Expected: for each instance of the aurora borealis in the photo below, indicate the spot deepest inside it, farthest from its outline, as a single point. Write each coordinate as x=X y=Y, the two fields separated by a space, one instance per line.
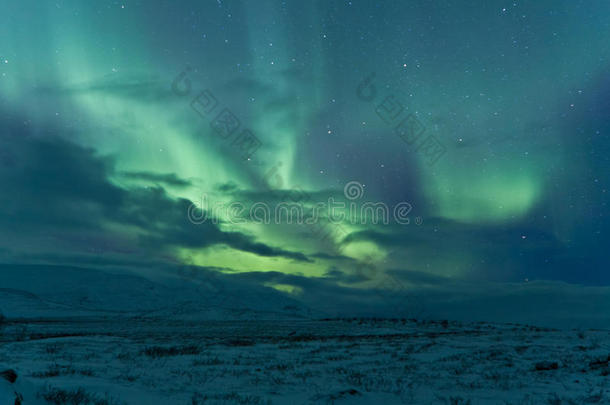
x=100 y=159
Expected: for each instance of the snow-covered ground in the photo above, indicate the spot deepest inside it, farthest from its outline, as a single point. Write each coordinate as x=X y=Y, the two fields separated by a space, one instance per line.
x=304 y=362
x=109 y=338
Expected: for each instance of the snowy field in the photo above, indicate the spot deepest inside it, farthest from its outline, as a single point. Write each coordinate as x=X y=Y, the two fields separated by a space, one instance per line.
x=99 y=337
x=126 y=360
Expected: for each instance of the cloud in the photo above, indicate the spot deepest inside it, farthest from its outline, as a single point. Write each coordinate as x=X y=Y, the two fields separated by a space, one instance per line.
x=169 y=179
x=58 y=198
x=419 y=277
x=510 y=252
x=135 y=86
x=545 y=303
x=339 y=276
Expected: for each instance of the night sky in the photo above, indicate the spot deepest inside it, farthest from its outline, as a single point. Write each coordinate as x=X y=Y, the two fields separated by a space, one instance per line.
x=103 y=151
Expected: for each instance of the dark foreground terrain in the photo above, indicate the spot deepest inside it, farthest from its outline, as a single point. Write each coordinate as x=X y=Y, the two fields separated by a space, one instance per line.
x=155 y=361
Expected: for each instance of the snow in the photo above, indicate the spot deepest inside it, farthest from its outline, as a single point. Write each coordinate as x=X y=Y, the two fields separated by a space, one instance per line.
x=164 y=339
x=345 y=361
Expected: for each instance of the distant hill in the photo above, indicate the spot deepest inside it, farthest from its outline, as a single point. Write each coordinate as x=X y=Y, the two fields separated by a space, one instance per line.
x=45 y=291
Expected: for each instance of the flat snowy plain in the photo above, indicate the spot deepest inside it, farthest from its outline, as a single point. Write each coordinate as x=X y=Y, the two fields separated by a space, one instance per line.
x=70 y=344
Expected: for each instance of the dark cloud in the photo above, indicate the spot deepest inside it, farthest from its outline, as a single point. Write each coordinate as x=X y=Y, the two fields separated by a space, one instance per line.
x=57 y=198
x=169 y=179
x=339 y=276
x=328 y=256
x=226 y=187
x=274 y=194
x=511 y=252
x=134 y=86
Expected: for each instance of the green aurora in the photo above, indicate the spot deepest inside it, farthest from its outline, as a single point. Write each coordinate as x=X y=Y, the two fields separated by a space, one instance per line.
x=101 y=158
